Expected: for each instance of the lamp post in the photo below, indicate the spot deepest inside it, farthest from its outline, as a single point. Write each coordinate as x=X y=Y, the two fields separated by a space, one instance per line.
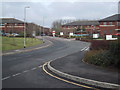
x=92 y=28
x=25 y=25
x=43 y=30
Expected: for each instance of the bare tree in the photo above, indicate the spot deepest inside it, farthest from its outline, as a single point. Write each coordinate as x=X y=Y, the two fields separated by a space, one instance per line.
x=56 y=25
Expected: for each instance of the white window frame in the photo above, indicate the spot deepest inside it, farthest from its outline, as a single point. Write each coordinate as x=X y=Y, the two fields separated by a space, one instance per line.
x=104 y=23
x=110 y=23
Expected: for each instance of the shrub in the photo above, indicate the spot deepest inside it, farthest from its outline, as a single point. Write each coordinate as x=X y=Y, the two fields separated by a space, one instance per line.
x=99 y=44
x=100 y=58
x=104 y=55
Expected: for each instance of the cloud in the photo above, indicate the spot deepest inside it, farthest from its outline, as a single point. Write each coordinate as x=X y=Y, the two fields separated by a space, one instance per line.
x=59 y=10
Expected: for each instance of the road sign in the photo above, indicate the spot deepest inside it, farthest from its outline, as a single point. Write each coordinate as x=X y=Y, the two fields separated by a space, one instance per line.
x=61 y=33
x=53 y=33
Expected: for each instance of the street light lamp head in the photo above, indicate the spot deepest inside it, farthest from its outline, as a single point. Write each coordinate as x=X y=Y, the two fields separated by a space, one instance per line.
x=27 y=7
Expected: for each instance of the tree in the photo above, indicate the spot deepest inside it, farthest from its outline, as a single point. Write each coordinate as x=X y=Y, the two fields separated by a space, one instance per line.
x=56 y=25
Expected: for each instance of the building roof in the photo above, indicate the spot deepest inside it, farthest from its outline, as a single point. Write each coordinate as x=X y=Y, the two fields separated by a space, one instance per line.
x=115 y=17
x=77 y=23
x=10 y=20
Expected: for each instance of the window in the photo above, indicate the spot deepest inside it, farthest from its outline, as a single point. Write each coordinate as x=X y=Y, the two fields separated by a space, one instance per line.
x=118 y=31
x=110 y=31
x=104 y=23
x=118 y=23
x=68 y=27
x=15 y=24
x=88 y=26
x=2 y=24
x=20 y=24
x=105 y=31
x=110 y=23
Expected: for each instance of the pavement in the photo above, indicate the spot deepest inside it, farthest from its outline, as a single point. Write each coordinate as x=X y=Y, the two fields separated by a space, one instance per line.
x=74 y=65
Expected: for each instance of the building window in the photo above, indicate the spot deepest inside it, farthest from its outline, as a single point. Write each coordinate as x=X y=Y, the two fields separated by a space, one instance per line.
x=2 y=24
x=16 y=24
x=118 y=23
x=88 y=26
x=20 y=24
x=105 y=23
x=118 y=31
x=110 y=23
x=105 y=31
x=68 y=27
x=110 y=31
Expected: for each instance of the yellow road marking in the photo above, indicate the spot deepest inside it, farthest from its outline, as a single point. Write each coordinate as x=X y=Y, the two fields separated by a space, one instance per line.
x=43 y=67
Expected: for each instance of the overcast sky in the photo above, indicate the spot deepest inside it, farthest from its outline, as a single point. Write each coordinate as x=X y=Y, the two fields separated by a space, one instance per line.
x=58 y=10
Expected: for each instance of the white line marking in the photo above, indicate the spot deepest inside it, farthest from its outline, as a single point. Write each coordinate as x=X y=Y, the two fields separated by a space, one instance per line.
x=21 y=73
x=5 y=78
x=87 y=49
x=33 y=68
x=40 y=66
x=26 y=71
x=16 y=74
x=83 y=48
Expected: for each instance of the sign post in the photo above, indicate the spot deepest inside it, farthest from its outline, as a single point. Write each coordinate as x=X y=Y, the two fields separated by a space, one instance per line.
x=53 y=33
x=61 y=33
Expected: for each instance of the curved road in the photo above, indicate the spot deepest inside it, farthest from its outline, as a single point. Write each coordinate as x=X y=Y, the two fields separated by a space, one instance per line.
x=24 y=70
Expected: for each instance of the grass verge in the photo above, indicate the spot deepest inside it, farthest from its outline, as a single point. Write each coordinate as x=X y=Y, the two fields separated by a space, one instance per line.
x=12 y=43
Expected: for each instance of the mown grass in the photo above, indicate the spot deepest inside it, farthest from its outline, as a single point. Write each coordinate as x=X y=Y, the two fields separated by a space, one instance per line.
x=12 y=43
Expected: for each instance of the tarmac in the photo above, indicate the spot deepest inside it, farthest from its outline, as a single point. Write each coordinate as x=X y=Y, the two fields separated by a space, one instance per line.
x=74 y=65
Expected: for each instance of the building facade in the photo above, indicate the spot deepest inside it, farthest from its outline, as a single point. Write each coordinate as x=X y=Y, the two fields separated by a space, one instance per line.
x=110 y=25
x=103 y=27
x=81 y=27
x=12 y=25
x=9 y=25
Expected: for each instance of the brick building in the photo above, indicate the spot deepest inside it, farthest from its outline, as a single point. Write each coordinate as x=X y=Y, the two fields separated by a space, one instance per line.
x=9 y=25
x=110 y=25
x=12 y=25
x=81 y=27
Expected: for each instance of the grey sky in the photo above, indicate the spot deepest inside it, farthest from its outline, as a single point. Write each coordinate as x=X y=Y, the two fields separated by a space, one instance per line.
x=58 y=10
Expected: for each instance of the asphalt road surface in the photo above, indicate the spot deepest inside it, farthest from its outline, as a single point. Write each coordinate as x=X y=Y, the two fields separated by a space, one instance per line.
x=24 y=70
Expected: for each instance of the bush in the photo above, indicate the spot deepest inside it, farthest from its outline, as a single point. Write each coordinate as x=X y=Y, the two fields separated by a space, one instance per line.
x=100 y=58
x=99 y=44
x=104 y=53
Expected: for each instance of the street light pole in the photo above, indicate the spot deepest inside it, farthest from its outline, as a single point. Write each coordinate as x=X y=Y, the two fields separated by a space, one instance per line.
x=25 y=26
x=43 y=29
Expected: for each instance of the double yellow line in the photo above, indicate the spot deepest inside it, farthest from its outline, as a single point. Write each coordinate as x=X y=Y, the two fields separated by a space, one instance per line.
x=43 y=67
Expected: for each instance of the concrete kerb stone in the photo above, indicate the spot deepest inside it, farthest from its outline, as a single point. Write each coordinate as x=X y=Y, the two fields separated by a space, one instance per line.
x=83 y=80
x=20 y=51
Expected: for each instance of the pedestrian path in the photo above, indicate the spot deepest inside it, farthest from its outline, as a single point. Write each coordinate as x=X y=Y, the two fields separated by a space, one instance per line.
x=74 y=65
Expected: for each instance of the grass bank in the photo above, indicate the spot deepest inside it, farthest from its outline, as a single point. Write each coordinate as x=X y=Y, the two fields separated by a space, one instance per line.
x=12 y=43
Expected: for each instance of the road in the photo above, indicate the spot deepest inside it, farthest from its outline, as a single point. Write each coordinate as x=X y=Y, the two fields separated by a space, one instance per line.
x=24 y=70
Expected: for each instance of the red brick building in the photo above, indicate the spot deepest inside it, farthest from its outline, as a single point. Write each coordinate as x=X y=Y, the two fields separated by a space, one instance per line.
x=81 y=27
x=110 y=25
x=10 y=25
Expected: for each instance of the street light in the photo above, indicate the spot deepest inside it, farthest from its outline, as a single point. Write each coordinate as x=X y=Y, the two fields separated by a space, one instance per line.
x=43 y=30
x=25 y=25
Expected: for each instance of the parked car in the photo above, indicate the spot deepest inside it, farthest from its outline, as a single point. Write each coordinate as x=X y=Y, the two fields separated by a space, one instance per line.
x=3 y=34
x=43 y=34
x=15 y=34
x=9 y=35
